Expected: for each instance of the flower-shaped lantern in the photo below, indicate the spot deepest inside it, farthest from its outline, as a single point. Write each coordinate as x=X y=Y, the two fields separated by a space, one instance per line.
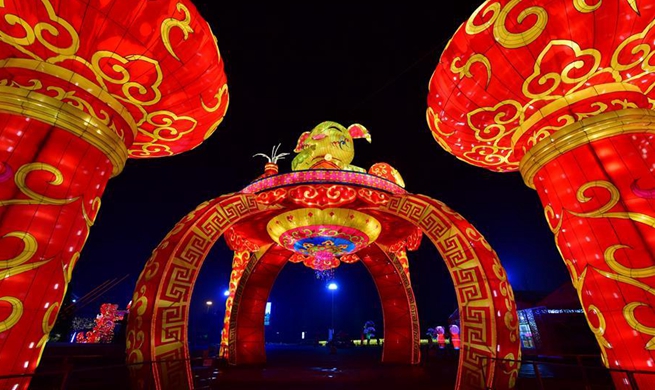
x=563 y=91
x=323 y=235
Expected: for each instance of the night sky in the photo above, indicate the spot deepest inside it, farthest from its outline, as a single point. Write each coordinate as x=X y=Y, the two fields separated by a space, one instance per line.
x=290 y=67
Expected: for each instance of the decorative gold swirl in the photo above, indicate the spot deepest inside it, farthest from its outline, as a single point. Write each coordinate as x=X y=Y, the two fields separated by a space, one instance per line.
x=629 y=314
x=35 y=85
x=16 y=265
x=472 y=28
x=515 y=40
x=465 y=70
x=582 y=6
x=498 y=129
x=33 y=34
x=47 y=324
x=602 y=212
x=163 y=129
x=222 y=92
x=623 y=270
x=168 y=24
x=79 y=103
x=435 y=125
x=123 y=78
x=550 y=216
x=95 y=207
x=642 y=53
x=582 y=198
x=492 y=156
x=30 y=246
x=600 y=108
x=68 y=271
x=14 y=316
x=35 y=198
x=565 y=74
x=599 y=331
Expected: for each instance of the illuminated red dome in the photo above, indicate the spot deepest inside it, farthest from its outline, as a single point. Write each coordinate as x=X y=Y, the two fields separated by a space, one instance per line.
x=518 y=71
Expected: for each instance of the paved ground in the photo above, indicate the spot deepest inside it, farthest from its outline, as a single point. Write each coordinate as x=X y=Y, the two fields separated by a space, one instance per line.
x=307 y=367
x=294 y=367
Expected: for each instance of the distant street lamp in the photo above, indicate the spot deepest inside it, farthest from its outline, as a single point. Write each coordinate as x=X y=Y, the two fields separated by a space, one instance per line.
x=332 y=287
x=209 y=304
x=226 y=293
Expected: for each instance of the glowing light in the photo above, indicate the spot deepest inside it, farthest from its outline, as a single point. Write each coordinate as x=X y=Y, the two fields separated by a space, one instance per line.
x=332 y=286
x=226 y=293
x=209 y=303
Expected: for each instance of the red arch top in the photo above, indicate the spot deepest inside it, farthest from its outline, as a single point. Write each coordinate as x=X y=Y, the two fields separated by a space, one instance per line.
x=487 y=309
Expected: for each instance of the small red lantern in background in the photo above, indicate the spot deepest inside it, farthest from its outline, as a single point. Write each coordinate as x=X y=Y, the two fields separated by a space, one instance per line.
x=85 y=84
x=563 y=92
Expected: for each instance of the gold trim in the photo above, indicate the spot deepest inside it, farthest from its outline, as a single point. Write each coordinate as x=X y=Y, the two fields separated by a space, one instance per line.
x=57 y=113
x=307 y=217
x=74 y=79
x=568 y=100
x=15 y=314
x=636 y=120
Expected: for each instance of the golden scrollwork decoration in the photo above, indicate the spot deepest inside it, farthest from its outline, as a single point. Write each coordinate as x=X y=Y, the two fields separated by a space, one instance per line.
x=498 y=19
x=20 y=179
x=33 y=34
x=168 y=24
x=587 y=58
x=18 y=264
x=599 y=331
x=48 y=323
x=582 y=6
x=161 y=126
x=121 y=76
x=629 y=314
x=15 y=314
x=465 y=70
x=493 y=9
x=512 y=40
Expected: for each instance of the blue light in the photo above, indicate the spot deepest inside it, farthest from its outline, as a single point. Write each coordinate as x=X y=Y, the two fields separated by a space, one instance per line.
x=226 y=293
x=332 y=286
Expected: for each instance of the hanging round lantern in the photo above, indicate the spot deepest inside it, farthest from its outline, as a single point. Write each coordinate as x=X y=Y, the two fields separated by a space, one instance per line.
x=323 y=235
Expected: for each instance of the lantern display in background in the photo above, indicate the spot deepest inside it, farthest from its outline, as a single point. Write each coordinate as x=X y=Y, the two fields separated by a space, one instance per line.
x=85 y=84
x=322 y=218
x=563 y=91
x=454 y=336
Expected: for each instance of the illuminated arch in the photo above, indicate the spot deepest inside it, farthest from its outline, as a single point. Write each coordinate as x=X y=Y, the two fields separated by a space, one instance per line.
x=157 y=327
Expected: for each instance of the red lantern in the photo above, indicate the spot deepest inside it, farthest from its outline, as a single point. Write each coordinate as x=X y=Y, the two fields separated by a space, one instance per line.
x=563 y=92
x=85 y=84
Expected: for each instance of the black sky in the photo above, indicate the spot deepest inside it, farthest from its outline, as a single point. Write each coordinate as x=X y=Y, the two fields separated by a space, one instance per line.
x=289 y=67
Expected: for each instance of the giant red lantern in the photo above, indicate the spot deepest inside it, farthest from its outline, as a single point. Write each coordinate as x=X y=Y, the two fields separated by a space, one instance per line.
x=85 y=84
x=562 y=91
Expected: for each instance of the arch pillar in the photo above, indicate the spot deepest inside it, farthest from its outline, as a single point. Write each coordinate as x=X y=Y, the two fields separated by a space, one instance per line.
x=402 y=332
x=157 y=329
x=246 y=342
x=488 y=319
